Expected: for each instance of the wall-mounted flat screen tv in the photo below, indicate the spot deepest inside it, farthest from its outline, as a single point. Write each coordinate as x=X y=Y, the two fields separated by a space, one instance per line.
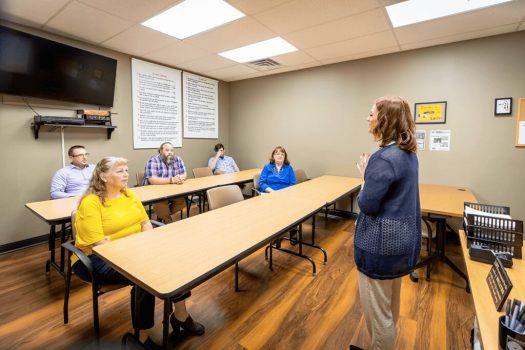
x=36 y=67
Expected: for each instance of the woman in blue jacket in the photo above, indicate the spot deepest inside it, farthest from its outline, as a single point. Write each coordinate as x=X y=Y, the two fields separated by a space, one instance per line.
x=278 y=173
x=388 y=229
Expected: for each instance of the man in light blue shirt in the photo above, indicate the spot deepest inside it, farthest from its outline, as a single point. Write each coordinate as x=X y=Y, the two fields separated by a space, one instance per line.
x=221 y=164
x=73 y=179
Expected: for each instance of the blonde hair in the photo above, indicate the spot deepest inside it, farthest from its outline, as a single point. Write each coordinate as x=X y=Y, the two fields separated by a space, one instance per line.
x=96 y=184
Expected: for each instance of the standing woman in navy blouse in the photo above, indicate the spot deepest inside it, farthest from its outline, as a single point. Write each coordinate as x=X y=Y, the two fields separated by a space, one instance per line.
x=277 y=174
x=388 y=229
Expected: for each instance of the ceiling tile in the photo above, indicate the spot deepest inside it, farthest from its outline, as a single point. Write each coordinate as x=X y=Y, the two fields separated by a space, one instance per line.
x=360 y=55
x=231 y=73
x=75 y=20
x=132 y=10
x=30 y=12
x=300 y=14
x=463 y=23
x=294 y=59
x=241 y=32
x=138 y=40
x=176 y=53
x=294 y=68
x=246 y=76
x=251 y=7
x=343 y=29
x=459 y=37
x=354 y=46
x=208 y=63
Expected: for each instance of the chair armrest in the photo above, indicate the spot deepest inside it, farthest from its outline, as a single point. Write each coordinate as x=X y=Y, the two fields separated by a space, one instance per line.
x=69 y=246
x=156 y=223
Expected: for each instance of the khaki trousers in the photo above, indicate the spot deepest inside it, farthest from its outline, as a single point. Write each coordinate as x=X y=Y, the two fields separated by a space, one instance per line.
x=380 y=302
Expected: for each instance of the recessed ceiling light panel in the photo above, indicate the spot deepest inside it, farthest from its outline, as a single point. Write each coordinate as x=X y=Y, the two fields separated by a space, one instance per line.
x=263 y=49
x=415 y=11
x=191 y=17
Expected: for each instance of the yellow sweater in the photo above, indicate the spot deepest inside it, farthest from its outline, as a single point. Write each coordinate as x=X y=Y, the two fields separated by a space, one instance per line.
x=119 y=217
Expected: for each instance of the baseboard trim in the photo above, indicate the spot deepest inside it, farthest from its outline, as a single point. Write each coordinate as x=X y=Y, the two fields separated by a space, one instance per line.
x=25 y=243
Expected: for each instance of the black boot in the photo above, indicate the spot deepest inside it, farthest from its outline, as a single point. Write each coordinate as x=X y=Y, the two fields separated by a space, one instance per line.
x=189 y=326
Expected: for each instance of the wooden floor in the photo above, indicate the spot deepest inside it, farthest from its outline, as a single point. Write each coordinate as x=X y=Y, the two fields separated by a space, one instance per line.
x=288 y=308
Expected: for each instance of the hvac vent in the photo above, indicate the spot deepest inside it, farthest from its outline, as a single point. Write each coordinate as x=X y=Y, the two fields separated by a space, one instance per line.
x=264 y=65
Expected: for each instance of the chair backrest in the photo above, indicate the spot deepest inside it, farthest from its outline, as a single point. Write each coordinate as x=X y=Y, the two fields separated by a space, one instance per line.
x=256 y=181
x=300 y=175
x=73 y=230
x=224 y=195
x=202 y=172
x=140 y=176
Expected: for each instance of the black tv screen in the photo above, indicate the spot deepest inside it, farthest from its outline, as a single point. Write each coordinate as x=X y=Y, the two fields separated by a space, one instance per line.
x=36 y=67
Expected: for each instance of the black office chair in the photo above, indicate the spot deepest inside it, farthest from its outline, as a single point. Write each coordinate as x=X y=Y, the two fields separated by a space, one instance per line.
x=96 y=288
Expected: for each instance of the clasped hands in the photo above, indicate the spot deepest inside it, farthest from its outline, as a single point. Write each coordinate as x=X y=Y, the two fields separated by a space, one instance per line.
x=362 y=163
x=176 y=180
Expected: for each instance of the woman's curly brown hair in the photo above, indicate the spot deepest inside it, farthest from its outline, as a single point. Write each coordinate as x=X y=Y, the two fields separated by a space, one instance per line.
x=395 y=123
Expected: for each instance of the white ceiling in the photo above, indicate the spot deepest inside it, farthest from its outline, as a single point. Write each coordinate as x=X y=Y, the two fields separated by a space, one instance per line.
x=324 y=31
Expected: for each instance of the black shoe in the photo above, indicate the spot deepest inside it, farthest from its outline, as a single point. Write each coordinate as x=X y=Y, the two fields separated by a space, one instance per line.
x=151 y=345
x=189 y=326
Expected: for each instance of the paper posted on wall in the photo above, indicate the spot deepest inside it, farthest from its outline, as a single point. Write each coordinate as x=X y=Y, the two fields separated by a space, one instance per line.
x=521 y=133
x=421 y=135
x=440 y=140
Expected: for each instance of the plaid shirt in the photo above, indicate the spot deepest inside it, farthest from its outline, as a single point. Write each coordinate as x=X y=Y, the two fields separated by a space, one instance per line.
x=157 y=168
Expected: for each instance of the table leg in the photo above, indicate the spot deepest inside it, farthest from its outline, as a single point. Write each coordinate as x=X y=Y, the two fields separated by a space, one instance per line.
x=166 y=323
x=51 y=246
x=441 y=226
x=62 y=251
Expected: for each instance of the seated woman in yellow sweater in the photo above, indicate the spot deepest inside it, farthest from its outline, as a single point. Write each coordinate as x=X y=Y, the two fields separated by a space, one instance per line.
x=109 y=211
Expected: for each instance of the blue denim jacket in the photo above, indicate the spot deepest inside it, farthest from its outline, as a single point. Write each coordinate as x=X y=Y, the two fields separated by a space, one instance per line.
x=388 y=229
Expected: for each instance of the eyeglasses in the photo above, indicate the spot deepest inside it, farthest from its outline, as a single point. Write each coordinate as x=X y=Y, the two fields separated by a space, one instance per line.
x=81 y=155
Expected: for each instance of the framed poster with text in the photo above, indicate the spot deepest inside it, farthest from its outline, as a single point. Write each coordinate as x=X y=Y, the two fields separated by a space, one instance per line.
x=430 y=112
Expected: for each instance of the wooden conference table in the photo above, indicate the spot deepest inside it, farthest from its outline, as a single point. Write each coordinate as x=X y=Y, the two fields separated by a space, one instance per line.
x=58 y=211
x=486 y=313
x=175 y=258
x=439 y=202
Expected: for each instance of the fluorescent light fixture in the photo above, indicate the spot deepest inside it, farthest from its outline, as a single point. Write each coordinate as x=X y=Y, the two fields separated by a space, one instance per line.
x=193 y=16
x=414 y=11
x=262 y=49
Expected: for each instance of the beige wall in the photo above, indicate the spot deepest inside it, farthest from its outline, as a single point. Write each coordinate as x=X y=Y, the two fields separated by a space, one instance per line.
x=29 y=164
x=319 y=114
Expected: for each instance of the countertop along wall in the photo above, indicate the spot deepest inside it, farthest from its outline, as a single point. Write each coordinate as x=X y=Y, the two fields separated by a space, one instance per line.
x=319 y=114
x=29 y=164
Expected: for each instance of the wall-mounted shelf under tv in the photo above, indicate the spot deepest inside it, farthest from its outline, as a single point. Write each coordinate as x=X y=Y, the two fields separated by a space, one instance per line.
x=65 y=122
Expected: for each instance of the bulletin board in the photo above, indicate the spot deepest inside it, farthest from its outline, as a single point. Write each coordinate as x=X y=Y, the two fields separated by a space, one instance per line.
x=520 y=124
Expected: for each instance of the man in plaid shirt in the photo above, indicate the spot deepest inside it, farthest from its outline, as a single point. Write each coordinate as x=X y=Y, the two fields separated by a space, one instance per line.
x=166 y=168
